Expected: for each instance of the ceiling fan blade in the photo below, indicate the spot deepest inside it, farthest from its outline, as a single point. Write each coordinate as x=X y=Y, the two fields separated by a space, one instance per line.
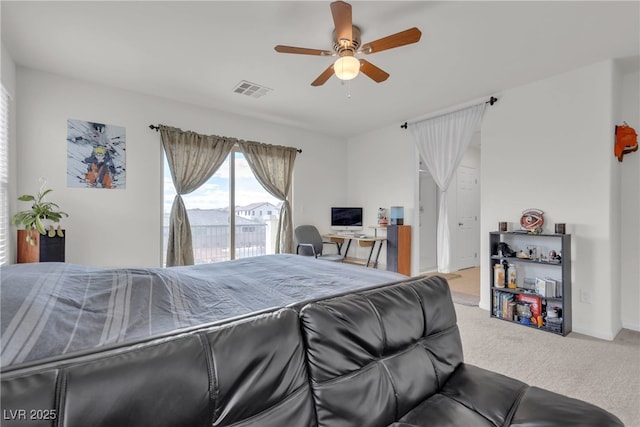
x=376 y=74
x=322 y=78
x=412 y=35
x=302 y=50
x=342 y=19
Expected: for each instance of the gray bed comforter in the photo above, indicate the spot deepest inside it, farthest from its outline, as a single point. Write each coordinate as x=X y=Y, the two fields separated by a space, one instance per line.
x=50 y=310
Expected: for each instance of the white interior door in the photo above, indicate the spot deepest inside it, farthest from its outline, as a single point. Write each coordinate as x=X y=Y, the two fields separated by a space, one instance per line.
x=467 y=225
x=428 y=206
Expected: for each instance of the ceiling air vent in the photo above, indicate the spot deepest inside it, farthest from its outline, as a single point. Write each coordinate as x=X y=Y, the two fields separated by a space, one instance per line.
x=251 y=89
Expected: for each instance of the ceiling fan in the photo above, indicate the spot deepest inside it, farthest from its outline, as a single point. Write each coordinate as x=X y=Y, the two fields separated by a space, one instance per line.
x=346 y=44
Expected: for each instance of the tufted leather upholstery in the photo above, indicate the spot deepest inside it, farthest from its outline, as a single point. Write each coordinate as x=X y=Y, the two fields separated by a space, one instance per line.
x=246 y=372
x=390 y=356
x=385 y=342
x=393 y=357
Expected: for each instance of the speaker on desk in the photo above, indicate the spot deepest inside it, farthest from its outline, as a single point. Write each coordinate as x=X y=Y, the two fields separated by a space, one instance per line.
x=399 y=249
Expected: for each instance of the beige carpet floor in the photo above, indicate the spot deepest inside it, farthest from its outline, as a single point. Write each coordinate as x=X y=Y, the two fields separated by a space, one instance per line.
x=605 y=373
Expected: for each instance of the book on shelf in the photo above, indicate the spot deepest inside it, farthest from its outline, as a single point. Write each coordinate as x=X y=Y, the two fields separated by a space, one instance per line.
x=504 y=305
x=507 y=298
x=511 y=310
x=558 y=288
x=541 y=287
x=548 y=287
x=552 y=287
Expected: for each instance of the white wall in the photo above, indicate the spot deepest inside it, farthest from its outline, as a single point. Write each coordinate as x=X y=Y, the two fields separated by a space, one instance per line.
x=630 y=207
x=383 y=172
x=123 y=227
x=548 y=145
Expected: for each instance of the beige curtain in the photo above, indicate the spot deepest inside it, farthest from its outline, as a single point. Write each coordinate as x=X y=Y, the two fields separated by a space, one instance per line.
x=273 y=167
x=193 y=159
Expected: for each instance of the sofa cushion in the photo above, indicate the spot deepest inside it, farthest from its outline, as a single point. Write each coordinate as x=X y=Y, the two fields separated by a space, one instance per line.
x=442 y=411
x=471 y=397
x=477 y=397
x=163 y=382
x=241 y=372
x=24 y=396
x=540 y=407
x=491 y=395
x=260 y=376
x=375 y=355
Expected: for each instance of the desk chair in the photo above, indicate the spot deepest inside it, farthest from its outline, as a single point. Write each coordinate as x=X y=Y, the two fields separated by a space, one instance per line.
x=310 y=244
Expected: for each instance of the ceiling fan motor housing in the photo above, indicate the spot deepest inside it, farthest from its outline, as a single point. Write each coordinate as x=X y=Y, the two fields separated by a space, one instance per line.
x=347 y=47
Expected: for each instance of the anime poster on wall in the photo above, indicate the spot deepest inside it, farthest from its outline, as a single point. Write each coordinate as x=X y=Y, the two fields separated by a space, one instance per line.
x=95 y=155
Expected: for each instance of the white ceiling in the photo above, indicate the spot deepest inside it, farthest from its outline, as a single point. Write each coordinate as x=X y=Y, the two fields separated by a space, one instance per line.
x=197 y=52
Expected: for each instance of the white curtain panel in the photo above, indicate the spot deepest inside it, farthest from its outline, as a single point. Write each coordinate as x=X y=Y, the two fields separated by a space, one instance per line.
x=442 y=142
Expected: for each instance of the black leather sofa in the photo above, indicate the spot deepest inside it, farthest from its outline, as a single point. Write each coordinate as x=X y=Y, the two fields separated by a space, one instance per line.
x=390 y=356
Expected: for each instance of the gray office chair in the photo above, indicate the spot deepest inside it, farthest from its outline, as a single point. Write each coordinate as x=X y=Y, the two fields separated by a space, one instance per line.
x=310 y=243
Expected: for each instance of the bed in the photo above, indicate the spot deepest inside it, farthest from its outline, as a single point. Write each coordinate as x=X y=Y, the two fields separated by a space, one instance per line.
x=53 y=311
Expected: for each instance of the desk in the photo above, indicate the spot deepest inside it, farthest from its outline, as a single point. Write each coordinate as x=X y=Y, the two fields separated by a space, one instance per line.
x=362 y=241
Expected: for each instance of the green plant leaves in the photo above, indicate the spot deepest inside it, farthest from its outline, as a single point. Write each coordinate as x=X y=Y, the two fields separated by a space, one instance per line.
x=40 y=210
x=40 y=226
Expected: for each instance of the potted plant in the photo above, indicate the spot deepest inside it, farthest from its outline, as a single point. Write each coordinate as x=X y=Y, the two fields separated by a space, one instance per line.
x=37 y=242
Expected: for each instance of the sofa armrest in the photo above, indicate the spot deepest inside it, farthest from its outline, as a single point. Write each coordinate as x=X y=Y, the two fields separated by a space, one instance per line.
x=492 y=395
x=543 y=407
x=508 y=402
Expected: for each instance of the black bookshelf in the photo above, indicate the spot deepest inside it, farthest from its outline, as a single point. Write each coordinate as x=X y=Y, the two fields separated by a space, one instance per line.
x=547 y=289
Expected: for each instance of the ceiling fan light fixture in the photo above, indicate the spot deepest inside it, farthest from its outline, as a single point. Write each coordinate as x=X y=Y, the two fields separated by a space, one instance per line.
x=346 y=67
x=347 y=43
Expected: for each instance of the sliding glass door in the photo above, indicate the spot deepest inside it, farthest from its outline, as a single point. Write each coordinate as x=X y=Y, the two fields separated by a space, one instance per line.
x=231 y=215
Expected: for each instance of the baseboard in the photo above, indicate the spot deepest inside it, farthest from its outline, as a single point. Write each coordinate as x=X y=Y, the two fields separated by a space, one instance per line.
x=631 y=326
x=603 y=335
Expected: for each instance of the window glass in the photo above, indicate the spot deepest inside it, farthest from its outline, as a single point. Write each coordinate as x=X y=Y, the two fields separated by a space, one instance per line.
x=213 y=227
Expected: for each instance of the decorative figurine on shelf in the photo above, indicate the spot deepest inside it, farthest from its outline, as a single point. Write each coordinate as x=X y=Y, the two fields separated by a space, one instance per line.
x=532 y=221
x=383 y=219
x=505 y=250
x=555 y=257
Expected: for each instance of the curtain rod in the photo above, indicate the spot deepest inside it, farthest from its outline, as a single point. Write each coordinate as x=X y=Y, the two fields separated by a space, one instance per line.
x=491 y=101
x=157 y=128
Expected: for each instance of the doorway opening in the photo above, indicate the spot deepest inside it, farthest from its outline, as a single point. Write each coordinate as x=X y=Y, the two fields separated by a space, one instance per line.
x=464 y=218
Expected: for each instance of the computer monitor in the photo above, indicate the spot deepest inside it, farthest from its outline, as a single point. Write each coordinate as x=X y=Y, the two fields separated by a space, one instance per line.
x=346 y=218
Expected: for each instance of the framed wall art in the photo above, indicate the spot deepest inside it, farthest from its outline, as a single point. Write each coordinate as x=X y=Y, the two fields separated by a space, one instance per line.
x=95 y=155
